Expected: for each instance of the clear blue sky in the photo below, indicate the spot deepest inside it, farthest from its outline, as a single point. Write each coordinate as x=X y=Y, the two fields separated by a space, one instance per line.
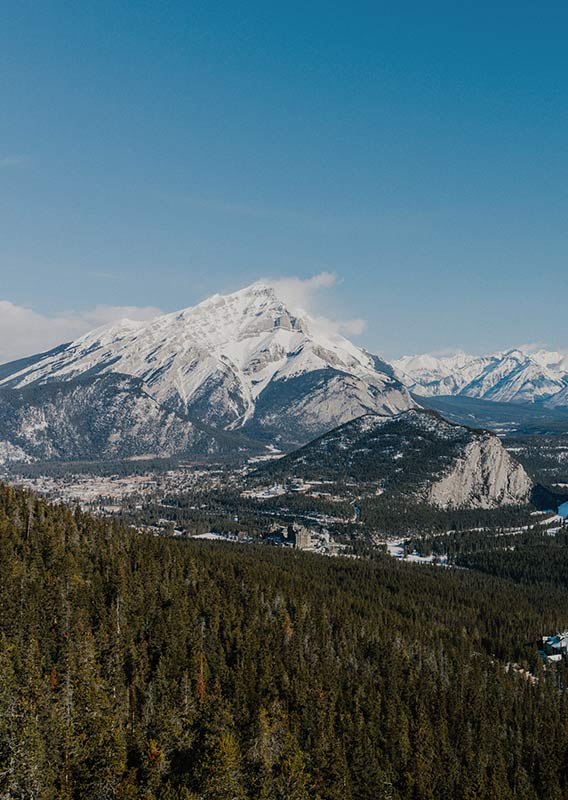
x=152 y=153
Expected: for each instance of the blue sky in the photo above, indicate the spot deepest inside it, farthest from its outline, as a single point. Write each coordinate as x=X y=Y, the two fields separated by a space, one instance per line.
x=154 y=153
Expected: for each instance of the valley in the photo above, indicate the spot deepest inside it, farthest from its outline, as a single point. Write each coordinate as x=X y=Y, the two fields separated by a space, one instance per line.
x=349 y=485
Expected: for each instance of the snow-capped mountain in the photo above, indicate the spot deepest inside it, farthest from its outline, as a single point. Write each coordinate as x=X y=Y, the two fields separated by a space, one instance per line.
x=511 y=376
x=558 y=400
x=552 y=360
x=103 y=417
x=417 y=455
x=237 y=361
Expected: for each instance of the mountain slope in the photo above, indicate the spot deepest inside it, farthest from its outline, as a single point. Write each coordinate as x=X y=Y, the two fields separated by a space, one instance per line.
x=138 y=666
x=416 y=454
x=558 y=400
x=105 y=417
x=501 y=418
x=512 y=376
x=12 y=367
x=230 y=361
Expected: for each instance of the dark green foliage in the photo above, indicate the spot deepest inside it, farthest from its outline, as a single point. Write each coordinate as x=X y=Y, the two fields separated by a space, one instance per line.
x=139 y=667
x=540 y=560
x=545 y=457
x=403 y=453
x=396 y=515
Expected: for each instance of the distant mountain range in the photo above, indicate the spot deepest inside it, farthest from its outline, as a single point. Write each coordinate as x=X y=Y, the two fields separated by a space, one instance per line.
x=417 y=455
x=239 y=372
x=241 y=362
x=512 y=376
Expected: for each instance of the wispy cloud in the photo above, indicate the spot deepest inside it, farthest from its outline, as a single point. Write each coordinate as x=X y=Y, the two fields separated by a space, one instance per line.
x=24 y=331
x=531 y=347
x=446 y=352
x=301 y=295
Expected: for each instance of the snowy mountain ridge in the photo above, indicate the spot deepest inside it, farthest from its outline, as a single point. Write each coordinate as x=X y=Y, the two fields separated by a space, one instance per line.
x=509 y=376
x=235 y=361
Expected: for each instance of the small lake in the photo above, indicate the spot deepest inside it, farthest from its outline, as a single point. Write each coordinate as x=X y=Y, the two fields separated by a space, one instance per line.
x=563 y=510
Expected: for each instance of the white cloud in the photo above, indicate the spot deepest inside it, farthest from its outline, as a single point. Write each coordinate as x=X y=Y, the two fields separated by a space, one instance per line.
x=300 y=295
x=531 y=347
x=347 y=327
x=24 y=331
x=447 y=352
x=353 y=327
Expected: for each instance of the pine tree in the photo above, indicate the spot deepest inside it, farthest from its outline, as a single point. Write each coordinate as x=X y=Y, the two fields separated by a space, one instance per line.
x=223 y=776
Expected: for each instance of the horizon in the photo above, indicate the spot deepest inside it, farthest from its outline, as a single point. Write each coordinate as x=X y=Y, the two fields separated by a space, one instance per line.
x=298 y=296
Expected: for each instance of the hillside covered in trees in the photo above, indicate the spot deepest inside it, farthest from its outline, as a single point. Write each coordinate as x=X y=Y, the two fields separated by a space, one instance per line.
x=417 y=456
x=141 y=667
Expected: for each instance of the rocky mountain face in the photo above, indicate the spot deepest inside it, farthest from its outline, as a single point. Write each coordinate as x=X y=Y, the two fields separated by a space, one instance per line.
x=512 y=376
x=483 y=476
x=416 y=454
x=105 y=417
x=241 y=361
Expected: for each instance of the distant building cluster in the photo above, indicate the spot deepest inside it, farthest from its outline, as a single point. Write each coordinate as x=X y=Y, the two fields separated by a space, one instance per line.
x=302 y=538
x=294 y=535
x=555 y=648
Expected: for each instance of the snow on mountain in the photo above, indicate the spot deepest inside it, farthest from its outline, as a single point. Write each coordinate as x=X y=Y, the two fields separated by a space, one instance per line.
x=558 y=400
x=416 y=454
x=429 y=375
x=553 y=360
x=511 y=376
x=103 y=417
x=241 y=360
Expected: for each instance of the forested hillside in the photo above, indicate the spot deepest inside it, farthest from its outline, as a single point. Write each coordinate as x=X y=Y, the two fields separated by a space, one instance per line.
x=416 y=455
x=141 y=667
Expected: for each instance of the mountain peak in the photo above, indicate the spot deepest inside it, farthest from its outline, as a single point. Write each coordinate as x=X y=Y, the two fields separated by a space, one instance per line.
x=509 y=376
x=514 y=353
x=257 y=290
x=232 y=360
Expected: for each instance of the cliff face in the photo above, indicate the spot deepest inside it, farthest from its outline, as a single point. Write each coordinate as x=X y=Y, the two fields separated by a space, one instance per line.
x=484 y=477
x=416 y=454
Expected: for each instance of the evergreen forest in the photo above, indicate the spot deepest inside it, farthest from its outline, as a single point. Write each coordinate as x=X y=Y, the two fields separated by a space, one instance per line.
x=146 y=668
